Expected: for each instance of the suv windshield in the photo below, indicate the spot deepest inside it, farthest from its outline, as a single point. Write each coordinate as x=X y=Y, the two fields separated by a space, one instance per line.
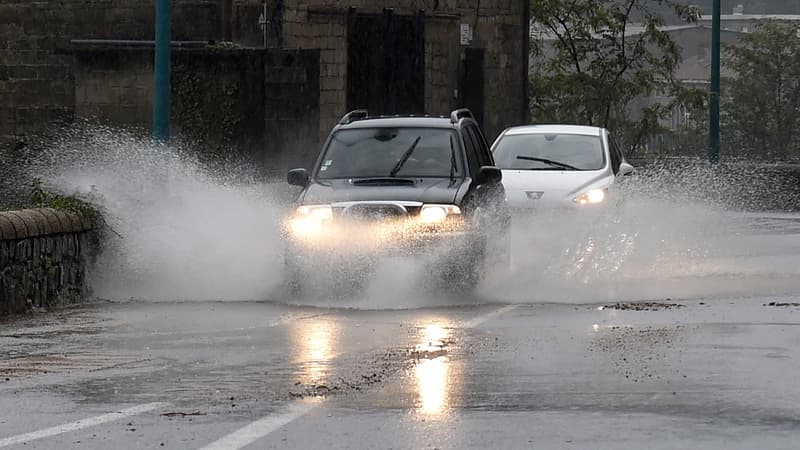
x=549 y=152
x=389 y=152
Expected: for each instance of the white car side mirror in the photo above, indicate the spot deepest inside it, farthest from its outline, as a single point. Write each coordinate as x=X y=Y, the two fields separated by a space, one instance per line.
x=625 y=169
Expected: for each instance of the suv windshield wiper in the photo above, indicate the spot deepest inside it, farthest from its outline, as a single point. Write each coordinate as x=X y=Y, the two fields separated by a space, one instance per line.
x=405 y=157
x=548 y=161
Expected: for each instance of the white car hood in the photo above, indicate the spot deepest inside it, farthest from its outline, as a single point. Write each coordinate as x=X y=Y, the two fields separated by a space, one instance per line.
x=532 y=188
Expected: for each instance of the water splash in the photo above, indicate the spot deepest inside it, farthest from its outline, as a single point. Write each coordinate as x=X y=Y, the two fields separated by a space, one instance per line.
x=183 y=230
x=179 y=229
x=684 y=231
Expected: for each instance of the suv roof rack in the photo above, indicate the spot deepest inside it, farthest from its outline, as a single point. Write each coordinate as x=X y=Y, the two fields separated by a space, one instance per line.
x=460 y=114
x=352 y=116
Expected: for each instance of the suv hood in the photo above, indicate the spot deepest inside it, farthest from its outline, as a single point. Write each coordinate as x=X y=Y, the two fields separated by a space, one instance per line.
x=425 y=190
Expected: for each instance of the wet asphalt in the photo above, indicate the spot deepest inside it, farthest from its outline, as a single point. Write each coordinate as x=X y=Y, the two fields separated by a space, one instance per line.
x=716 y=373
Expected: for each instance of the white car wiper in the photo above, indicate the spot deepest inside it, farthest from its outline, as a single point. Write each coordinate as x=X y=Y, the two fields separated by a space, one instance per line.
x=548 y=161
x=405 y=157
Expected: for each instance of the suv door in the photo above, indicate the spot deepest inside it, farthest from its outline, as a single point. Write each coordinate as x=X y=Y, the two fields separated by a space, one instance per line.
x=491 y=210
x=489 y=198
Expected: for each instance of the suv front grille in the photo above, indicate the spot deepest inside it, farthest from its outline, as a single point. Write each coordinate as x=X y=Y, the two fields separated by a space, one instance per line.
x=371 y=212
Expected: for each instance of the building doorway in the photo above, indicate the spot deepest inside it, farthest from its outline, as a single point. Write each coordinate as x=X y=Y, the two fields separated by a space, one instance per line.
x=386 y=63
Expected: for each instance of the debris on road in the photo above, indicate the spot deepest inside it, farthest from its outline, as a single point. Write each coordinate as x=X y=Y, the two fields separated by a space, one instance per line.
x=639 y=354
x=182 y=414
x=642 y=306
x=781 y=304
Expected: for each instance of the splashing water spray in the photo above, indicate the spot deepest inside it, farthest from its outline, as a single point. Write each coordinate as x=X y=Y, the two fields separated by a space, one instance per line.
x=184 y=231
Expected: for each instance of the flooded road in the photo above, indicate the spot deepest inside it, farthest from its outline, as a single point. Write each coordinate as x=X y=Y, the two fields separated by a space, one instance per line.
x=683 y=333
x=694 y=373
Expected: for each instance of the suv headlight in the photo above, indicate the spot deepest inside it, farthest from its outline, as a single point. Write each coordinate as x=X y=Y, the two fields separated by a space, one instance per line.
x=591 y=197
x=431 y=214
x=315 y=212
x=309 y=221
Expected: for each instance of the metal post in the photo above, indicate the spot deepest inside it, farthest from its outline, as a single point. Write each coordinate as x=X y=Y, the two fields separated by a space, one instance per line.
x=225 y=8
x=161 y=76
x=526 y=55
x=713 y=149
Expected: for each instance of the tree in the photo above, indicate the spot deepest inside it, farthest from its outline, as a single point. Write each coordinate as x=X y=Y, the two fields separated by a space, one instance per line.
x=762 y=110
x=590 y=63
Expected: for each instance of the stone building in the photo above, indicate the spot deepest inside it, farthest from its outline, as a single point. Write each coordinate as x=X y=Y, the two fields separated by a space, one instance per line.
x=391 y=56
x=415 y=56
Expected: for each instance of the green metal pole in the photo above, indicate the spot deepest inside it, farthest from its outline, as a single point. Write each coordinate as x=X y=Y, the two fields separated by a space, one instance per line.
x=713 y=149
x=526 y=57
x=161 y=76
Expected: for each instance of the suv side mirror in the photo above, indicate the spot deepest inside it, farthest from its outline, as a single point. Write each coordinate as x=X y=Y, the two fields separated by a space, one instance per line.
x=488 y=175
x=297 y=177
x=625 y=169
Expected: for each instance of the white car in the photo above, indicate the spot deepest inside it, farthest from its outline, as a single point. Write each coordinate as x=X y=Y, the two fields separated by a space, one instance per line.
x=558 y=165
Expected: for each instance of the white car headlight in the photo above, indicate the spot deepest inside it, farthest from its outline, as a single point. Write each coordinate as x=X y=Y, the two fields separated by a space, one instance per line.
x=437 y=213
x=591 y=197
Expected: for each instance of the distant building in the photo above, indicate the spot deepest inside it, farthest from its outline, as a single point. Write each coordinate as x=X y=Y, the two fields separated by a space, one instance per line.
x=744 y=23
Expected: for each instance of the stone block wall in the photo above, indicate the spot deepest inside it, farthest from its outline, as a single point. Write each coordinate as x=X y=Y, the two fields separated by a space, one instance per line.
x=44 y=258
x=36 y=83
x=327 y=31
x=442 y=57
x=114 y=85
x=275 y=97
x=292 y=97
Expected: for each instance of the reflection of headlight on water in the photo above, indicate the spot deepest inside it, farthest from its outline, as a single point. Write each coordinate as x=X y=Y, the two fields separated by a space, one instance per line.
x=432 y=385
x=591 y=197
x=314 y=344
x=433 y=374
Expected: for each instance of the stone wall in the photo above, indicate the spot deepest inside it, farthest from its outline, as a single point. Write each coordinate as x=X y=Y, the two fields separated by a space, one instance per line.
x=258 y=102
x=36 y=83
x=44 y=256
x=114 y=85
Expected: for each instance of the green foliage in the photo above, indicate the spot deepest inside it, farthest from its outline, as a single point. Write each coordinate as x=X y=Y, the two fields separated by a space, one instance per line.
x=40 y=198
x=206 y=106
x=589 y=67
x=761 y=113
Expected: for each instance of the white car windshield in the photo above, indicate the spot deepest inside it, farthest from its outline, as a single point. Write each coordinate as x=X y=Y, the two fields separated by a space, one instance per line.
x=549 y=152
x=390 y=152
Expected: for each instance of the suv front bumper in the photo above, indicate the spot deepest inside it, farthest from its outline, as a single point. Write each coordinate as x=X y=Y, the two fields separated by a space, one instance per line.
x=400 y=239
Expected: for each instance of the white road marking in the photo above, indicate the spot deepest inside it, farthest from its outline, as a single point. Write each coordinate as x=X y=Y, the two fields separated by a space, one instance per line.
x=478 y=321
x=256 y=430
x=80 y=424
x=262 y=427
